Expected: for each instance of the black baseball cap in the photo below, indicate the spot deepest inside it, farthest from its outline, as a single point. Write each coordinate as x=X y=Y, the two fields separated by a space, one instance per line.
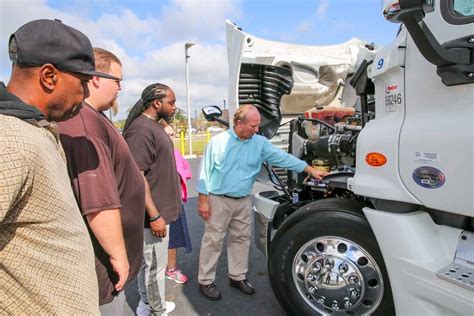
x=43 y=41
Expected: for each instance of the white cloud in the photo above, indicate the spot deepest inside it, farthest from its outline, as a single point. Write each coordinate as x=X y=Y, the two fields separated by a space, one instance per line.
x=198 y=20
x=304 y=26
x=151 y=48
x=207 y=74
x=322 y=8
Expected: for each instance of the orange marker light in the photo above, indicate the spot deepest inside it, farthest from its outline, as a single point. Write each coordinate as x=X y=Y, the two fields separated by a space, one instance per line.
x=375 y=159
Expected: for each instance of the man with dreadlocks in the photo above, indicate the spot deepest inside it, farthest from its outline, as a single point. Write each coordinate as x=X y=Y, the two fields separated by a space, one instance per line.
x=154 y=154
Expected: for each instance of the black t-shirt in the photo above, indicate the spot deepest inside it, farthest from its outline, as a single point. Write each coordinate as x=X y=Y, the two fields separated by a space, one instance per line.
x=153 y=151
x=104 y=176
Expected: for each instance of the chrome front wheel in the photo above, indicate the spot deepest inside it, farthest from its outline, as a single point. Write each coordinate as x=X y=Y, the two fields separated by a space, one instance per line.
x=334 y=274
x=324 y=259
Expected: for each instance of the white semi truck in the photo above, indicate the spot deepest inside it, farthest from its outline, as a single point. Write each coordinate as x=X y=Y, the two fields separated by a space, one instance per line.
x=390 y=230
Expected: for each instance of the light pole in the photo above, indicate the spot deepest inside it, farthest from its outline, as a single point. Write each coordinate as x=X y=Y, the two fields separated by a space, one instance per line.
x=186 y=56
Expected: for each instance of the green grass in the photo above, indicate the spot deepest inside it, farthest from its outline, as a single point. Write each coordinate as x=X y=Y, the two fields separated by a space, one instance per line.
x=198 y=146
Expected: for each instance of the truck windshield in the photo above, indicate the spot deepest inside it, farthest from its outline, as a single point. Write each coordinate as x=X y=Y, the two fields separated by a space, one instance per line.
x=464 y=7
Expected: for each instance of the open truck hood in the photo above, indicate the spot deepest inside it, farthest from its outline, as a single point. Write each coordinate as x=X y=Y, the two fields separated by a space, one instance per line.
x=287 y=79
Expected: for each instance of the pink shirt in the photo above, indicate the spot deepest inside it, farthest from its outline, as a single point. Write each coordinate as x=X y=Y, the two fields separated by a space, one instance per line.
x=184 y=171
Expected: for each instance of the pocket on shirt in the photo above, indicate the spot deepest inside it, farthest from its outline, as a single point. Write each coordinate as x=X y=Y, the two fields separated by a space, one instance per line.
x=254 y=161
x=219 y=159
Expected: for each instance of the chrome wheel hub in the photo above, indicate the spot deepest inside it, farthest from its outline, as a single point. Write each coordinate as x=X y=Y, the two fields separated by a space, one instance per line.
x=335 y=275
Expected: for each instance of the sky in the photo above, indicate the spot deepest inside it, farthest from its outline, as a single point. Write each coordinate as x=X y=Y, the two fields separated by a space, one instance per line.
x=149 y=35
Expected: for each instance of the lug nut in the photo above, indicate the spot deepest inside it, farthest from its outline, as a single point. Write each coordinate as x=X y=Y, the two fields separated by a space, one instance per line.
x=321 y=300
x=310 y=277
x=353 y=279
x=329 y=263
x=316 y=267
x=347 y=303
x=312 y=290
x=343 y=267
x=470 y=75
x=354 y=293
x=471 y=40
x=335 y=306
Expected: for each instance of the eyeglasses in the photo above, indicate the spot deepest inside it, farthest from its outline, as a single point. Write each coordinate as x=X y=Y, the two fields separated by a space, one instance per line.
x=116 y=79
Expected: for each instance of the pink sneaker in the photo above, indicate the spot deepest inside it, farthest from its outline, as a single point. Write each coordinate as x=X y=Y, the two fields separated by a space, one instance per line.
x=176 y=275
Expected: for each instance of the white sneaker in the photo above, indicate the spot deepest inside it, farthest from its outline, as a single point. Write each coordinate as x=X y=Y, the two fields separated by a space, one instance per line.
x=170 y=306
x=143 y=309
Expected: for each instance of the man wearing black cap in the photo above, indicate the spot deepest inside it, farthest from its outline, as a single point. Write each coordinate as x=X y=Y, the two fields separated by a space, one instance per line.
x=45 y=251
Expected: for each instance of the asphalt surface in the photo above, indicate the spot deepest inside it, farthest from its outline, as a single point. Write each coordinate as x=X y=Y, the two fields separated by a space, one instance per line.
x=188 y=299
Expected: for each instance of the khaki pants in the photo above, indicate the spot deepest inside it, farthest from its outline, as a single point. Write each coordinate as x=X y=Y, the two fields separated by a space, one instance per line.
x=227 y=216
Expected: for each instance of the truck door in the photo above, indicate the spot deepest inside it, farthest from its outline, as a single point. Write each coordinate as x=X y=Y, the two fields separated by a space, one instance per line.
x=436 y=139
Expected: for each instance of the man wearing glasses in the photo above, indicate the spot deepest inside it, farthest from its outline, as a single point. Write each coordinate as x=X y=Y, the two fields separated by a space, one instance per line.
x=107 y=184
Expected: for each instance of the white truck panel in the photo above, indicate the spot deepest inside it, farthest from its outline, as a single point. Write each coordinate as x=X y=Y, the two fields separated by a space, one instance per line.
x=437 y=135
x=382 y=134
x=414 y=249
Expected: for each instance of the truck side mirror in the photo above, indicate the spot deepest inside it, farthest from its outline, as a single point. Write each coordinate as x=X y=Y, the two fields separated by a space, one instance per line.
x=418 y=8
x=453 y=58
x=213 y=113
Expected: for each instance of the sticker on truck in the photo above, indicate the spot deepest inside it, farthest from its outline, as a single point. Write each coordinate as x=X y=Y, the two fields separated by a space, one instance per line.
x=426 y=158
x=429 y=177
x=392 y=98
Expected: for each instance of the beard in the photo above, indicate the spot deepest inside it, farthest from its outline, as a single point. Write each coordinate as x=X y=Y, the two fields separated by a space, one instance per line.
x=115 y=107
x=59 y=115
x=162 y=114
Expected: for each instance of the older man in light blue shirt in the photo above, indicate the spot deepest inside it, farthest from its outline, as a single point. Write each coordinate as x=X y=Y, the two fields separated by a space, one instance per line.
x=230 y=165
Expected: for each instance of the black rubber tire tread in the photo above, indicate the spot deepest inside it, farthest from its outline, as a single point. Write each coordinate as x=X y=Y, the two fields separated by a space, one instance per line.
x=329 y=217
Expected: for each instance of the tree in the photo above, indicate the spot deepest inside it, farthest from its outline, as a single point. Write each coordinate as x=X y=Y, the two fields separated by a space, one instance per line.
x=179 y=120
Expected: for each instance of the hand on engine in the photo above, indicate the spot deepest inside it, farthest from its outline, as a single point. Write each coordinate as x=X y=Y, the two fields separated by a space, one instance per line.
x=318 y=174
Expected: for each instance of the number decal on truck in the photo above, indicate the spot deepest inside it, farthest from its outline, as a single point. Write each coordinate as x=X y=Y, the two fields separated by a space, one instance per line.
x=392 y=98
x=380 y=63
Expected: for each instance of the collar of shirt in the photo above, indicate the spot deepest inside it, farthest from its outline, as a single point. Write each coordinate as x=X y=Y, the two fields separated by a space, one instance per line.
x=89 y=104
x=232 y=132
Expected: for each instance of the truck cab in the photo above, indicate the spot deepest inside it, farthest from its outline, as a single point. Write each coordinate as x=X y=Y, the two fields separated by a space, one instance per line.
x=390 y=230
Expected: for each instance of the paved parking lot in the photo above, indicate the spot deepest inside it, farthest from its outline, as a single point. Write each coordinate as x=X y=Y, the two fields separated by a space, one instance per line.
x=188 y=299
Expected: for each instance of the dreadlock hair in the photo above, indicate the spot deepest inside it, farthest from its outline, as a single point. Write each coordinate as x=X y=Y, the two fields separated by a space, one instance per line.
x=155 y=91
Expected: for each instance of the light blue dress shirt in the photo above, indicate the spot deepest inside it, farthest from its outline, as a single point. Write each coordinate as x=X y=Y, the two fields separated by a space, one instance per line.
x=230 y=165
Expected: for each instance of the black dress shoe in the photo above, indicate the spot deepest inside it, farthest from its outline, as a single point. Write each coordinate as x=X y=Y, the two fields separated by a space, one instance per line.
x=210 y=291
x=243 y=286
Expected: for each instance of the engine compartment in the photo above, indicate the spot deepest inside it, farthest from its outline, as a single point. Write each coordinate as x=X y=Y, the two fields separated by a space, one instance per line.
x=333 y=148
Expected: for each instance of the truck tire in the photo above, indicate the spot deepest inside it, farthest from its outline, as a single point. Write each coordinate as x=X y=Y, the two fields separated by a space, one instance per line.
x=325 y=259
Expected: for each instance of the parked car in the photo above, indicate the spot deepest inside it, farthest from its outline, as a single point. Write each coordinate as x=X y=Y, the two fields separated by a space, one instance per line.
x=215 y=129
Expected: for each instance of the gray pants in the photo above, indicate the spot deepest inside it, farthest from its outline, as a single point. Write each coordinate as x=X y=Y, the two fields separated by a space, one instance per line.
x=151 y=278
x=114 y=308
x=232 y=217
